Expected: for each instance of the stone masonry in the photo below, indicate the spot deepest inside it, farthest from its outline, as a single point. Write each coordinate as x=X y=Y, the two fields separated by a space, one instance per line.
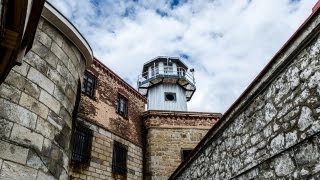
x=99 y=113
x=36 y=102
x=168 y=133
x=273 y=133
x=101 y=157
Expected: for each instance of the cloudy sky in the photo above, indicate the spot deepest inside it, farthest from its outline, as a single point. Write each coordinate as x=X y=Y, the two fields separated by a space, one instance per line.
x=228 y=42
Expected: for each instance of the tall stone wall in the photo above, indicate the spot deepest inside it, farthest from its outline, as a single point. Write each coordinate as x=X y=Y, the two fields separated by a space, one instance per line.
x=168 y=133
x=100 y=166
x=274 y=132
x=36 y=103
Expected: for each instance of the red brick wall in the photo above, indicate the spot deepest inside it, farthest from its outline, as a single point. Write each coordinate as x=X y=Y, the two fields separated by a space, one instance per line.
x=101 y=109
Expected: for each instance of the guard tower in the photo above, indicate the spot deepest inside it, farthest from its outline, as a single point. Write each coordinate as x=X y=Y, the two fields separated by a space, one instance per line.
x=167 y=84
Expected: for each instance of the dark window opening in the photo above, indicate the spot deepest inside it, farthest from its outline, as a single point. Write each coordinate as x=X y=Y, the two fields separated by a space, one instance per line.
x=82 y=140
x=89 y=82
x=122 y=106
x=119 y=159
x=170 y=96
x=185 y=154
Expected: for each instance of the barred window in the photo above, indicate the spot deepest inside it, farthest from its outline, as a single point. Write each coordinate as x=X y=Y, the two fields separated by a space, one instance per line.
x=122 y=106
x=185 y=154
x=89 y=82
x=119 y=159
x=82 y=139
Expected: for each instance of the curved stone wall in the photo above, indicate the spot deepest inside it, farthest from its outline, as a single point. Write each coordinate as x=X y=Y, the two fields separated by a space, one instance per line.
x=36 y=104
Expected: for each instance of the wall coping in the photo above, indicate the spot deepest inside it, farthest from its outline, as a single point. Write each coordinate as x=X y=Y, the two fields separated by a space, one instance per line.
x=191 y=114
x=280 y=60
x=54 y=17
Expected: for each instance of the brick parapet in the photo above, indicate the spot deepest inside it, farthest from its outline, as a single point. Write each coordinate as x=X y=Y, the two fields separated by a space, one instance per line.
x=179 y=119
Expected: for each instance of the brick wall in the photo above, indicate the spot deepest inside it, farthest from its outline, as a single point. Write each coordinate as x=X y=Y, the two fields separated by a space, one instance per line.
x=36 y=102
x=100 y=166
x=273 y=132
x=101 y=109
x=168 y=133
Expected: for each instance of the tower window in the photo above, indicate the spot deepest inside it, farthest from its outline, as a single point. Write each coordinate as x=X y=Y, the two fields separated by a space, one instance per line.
x=89 y=82
x=185 y=154
x=119 y=159
x=122 y=106
x=82 y=138
x=169 y=96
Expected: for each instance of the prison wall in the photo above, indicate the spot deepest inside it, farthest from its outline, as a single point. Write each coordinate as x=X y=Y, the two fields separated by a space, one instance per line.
x=100 y=165
x=273 y=130
x=36 y=104
x=168 y=134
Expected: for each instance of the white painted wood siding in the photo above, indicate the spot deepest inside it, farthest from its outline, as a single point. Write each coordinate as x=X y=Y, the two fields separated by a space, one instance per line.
x=156 y=98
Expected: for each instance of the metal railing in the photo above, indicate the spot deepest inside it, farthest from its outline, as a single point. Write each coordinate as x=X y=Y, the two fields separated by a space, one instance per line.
x=165 y=72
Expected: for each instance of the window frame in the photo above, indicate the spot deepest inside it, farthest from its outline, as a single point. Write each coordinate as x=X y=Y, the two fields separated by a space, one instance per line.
x=172 y=93
x=88 y=75
x=122 y=106
x=183 y=155
x=121 y=169
x=81 y=151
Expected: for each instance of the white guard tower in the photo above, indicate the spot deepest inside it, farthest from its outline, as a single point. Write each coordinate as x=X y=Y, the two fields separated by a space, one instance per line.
x=167 y=84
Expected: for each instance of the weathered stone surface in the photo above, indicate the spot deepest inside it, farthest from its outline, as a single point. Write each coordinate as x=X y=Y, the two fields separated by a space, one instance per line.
x=44 y=176
x=16 y=80
x=38 y=78
x=45 y=128
x=10 y=93
x=22 y=69
x=49 y=101
x=12 y=170
x=13 y=153
x=39 y=49
x=59 y=53
x=18 y=114
x=31 y=89
x=289 y=122
x=43 y=38
x=34 y=105
x=5 y=128
x=37 y=62
x=35 y=161
x=26 y=136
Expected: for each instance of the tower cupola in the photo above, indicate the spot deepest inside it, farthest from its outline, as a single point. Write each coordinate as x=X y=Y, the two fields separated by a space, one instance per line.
x=167 y=83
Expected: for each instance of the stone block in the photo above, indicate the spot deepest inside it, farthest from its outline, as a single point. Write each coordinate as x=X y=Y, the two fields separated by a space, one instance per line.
x=55 y=120
x=66 y=116
x=5 y=128
x=49 y=101
x=37 y=62
x=22 y=69
x=52 y=59
x=34 y=105
x=16 y=113
x=16 y=80
x=52 y=33
x=40 y=79
x=59 y=80
x=13 y=153
x=31 y=89
x=27 y=137
x=35 y=161
x=12 y=170
x=45 y=176
x=39 y=49
x=43 y=38
x=45 y=128
x=9 y=92
x=59 y=53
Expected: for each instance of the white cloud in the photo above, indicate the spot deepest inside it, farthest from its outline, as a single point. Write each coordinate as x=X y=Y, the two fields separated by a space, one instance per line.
x=228 y=41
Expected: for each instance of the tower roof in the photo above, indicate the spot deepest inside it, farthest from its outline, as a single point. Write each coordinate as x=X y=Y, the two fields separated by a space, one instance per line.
x=164 y=59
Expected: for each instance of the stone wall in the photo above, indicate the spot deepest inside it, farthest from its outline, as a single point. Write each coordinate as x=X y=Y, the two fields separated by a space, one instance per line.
x=36 y=102
x=168 y=133
x=100 y=166
x=273 y=132
x=101 y=109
